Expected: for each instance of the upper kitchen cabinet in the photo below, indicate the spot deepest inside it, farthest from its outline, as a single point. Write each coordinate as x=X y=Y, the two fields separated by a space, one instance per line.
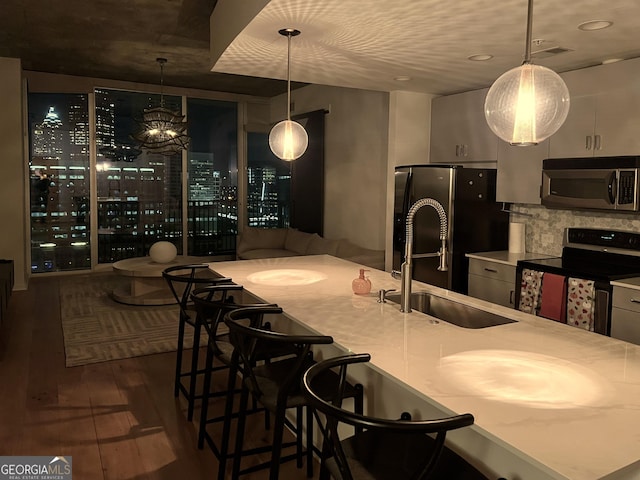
x=459 y=131
x=604 y=113
x=519 y=173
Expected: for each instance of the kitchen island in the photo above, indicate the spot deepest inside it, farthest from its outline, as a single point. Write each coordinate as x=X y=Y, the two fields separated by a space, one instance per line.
x=549 y=400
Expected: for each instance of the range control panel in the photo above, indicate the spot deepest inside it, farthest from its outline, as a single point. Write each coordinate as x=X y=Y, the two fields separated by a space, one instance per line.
x=603 y=240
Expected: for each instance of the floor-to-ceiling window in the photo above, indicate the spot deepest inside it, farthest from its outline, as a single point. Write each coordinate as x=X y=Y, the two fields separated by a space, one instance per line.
x=138 y=194
x=212 y=159
x=59 y=182
x=268 y=184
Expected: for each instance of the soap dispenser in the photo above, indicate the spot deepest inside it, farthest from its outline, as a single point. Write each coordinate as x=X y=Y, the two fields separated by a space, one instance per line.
x=362 y=284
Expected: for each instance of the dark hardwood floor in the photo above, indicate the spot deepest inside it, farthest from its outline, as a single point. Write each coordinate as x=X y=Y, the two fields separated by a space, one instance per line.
x=118 y=420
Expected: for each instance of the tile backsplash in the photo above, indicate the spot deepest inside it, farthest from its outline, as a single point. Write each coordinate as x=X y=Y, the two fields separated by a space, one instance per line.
x=545 y=227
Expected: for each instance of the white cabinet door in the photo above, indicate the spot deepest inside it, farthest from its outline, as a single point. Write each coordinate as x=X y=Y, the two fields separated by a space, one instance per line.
x=604 y=113
x=492 y=281
x=494 y=291
x=617 y=122
x=459 y=131
x=575 y=138
x=520 y=172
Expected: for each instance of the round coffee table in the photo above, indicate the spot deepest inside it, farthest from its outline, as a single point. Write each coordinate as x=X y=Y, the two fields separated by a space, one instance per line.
x=146 y=286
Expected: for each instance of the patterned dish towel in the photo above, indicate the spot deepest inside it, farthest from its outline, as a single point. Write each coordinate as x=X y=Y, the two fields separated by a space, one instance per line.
x=580 y=303
x=530 y=291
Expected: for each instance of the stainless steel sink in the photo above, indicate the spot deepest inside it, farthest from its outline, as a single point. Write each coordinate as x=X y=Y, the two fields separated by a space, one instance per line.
x=450 y=311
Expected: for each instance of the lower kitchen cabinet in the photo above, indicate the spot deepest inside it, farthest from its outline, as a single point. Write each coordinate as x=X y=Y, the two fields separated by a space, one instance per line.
x=491 y=281
x=625 y=314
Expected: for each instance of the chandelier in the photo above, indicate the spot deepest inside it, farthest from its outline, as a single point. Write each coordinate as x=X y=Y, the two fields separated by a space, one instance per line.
x=162 y=130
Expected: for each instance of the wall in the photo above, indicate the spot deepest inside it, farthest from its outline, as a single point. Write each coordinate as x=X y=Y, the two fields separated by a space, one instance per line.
x=355 y=158
x=545 y=227
x=13 y=241
x=409 y=142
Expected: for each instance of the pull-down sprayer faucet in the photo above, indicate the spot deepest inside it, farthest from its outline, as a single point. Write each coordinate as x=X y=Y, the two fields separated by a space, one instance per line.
x=407 y=267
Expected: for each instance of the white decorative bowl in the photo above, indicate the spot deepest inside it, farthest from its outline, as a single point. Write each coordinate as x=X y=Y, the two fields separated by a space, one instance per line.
x=163 y=252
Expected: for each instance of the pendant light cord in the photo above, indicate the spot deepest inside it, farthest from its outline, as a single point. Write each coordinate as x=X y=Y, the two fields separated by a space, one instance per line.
x=527 y=47
x=289 y=76
x=161 y=62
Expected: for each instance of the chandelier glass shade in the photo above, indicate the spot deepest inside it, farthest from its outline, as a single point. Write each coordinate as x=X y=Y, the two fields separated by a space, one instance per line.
x=527 y=104
x=288 y=139
x=162 y=130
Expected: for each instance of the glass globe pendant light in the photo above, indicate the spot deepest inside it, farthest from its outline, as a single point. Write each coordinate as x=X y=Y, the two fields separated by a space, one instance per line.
x=288 y=140
x=529 y=103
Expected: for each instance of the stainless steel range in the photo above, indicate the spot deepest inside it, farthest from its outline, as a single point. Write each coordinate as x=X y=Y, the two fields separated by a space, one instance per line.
x=592 y=254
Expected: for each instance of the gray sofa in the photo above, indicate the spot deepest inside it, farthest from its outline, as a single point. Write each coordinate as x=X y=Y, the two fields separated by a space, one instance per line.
x=288 y=242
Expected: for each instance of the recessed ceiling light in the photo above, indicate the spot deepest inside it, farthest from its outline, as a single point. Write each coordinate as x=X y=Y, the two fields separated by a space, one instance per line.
x=482 y=57
x=611 y=60
x=402 y=78
x=594 y=25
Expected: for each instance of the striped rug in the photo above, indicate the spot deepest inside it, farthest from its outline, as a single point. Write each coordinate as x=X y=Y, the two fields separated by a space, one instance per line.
x=98 y=329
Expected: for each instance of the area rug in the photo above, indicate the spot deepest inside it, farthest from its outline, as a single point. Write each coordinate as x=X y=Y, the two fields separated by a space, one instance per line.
x=96 y=328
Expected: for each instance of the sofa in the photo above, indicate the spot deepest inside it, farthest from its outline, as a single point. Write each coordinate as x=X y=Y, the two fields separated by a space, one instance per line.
x=288 y=242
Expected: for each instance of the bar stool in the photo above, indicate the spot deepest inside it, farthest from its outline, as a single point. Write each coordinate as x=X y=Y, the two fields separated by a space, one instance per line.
x=274 y=385
x=386 y=449
x=181 y=280
x=211 y=304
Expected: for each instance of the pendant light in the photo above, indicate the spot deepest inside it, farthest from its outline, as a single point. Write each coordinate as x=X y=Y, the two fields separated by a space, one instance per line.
x=529 y=103
x=288 y=140
x=162 y=130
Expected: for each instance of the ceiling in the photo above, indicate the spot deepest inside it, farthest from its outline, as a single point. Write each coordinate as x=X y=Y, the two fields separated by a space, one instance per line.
x=352 y=43
x=120 y=40
x=367 y=43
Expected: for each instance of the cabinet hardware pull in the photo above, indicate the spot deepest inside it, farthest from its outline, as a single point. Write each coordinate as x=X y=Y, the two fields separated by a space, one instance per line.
x=634 y=300
x=597 y=143
x=457 y=150
x=511 y=292
x=588 y=144
x=490 y=270
x=465 y=149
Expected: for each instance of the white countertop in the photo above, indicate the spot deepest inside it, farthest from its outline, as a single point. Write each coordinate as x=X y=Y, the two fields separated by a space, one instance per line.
x=566 y=398
x=506 y=257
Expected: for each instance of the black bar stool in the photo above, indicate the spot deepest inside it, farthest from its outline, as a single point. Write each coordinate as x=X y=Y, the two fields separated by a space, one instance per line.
x=181 y=280
x=211 y=304
x=384 y=448
x=275 y=385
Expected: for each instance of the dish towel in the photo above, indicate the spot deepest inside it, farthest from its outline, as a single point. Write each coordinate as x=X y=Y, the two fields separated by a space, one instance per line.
x=530 y=291
x=553 y=296
x=580 y=303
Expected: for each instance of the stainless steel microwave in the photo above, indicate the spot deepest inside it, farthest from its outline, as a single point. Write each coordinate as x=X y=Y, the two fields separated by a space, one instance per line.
x=599 y=183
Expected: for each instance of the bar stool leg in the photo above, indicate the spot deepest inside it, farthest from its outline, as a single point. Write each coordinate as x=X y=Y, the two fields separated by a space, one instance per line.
x=242 y=417
x=276 y=453
x=193 y=374
x=206 y=387
x=179 y=350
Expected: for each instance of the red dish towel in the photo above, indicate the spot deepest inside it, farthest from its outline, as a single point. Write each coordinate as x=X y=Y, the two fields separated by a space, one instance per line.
x=553 y=300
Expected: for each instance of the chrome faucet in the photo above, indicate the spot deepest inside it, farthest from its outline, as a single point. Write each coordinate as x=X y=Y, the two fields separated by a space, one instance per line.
x=406 y=272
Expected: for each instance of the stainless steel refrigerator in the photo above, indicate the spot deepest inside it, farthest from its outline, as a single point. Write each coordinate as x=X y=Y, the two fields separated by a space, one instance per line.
x=476 y=222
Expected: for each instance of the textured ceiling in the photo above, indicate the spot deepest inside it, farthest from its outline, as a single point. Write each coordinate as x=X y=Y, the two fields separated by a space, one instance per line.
x=353 y=43
x=367 y=43
x=120 y=40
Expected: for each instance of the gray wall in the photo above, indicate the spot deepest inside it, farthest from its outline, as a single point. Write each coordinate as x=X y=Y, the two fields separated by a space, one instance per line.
x=13 y=194
x=356 y=139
